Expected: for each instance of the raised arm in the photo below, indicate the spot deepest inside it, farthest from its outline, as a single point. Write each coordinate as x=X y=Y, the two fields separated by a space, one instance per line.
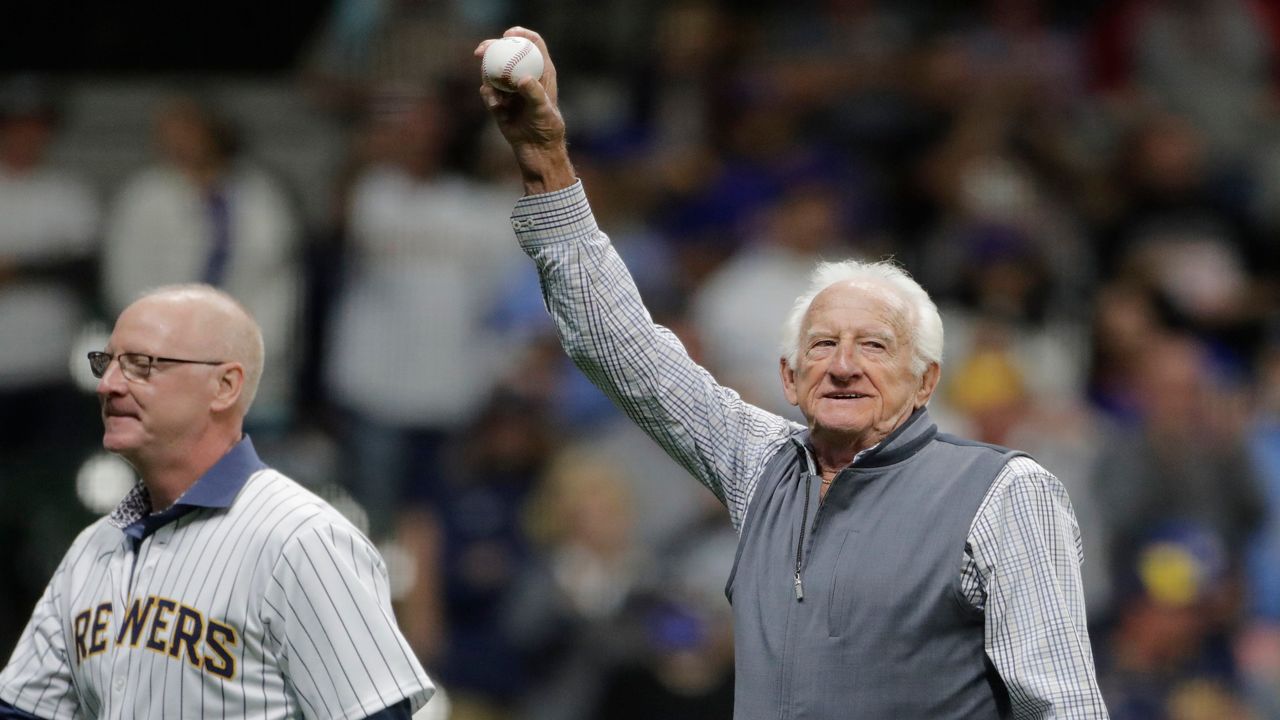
x=603 y=325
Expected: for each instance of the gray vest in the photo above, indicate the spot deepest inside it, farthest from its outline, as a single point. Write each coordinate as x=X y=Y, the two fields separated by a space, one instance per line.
x=882 y=631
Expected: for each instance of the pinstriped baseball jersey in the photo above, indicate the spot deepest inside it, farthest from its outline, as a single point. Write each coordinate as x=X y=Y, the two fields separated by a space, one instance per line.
x=249 y=598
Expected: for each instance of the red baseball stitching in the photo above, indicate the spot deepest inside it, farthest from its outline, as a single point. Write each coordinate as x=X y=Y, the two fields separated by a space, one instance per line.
x=511 y=64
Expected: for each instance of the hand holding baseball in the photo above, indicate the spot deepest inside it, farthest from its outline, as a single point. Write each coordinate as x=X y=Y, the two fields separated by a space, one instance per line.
x=529 y=117
x=508 y=60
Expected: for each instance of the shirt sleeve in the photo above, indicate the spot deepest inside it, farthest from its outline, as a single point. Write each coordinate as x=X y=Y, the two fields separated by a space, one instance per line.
x=39 y=675
x=328 y=612
x=1026 y=551
x=38 y=678
x=607 y=331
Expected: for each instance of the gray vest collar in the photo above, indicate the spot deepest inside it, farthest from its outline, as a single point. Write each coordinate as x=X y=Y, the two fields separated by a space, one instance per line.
x=902 y=443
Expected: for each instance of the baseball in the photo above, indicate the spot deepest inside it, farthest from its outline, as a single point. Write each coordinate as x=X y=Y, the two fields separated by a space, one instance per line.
x=509 y=59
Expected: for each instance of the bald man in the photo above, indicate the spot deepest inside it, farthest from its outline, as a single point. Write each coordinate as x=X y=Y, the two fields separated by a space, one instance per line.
x=217 y=587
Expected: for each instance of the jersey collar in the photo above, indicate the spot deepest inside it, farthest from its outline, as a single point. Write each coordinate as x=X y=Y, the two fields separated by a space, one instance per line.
x=216 y=488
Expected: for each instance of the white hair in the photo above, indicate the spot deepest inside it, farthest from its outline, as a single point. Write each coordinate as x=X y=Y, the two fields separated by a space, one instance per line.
x=920 y=313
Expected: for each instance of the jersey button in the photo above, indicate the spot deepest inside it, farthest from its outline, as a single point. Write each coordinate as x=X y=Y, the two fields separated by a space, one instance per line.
x=119 y=684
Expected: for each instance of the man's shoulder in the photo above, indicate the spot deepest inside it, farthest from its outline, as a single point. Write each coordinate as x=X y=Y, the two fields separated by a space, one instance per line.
x=283 y=508
x=98 y=537
x=976 y=445
x=1019 y=461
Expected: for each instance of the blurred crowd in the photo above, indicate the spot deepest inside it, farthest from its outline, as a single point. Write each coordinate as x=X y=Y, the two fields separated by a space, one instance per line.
x=1091 y=194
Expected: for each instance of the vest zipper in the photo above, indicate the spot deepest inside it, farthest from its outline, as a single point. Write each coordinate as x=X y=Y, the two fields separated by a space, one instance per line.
x=804 y=519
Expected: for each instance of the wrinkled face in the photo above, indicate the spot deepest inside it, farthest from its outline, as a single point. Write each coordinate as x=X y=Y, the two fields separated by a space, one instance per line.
x=147 y=418
x=853 y=378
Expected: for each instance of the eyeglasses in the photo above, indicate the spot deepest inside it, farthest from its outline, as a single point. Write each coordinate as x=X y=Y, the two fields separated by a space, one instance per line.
x=136 y=366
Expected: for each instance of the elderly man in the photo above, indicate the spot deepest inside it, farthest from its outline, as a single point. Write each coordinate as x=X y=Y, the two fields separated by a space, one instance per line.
x=217 y=587
x=884 y=570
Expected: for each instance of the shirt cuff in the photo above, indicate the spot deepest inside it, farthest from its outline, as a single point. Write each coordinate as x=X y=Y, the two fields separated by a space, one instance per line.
x=554 y=217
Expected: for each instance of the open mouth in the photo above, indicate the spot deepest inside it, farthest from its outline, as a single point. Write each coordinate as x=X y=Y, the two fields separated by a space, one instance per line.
x=844 y=396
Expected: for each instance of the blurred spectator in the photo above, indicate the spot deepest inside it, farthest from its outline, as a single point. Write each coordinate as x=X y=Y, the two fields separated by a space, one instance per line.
x=1210 y=60
x=828 y=52
x=685 y=671
x=682 y=667
x=48 y=252
x=1172 y=234
x=693 y=49
x=1167 y=655
x=1259 y=646
x=572 y=611
x=1013 y=42
x=760 y=154
x=366 y=44
x=465 y=530
x=1127 y=320
x=409 y=359
x=1002 y=248
x=1264 y=445
x=1185 y=461
x=48 y=255
x=205 y=213
x=1004 y=256
x=739 y=309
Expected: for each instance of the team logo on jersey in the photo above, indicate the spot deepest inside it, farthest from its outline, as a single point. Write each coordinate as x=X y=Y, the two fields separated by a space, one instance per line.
x=160 y=625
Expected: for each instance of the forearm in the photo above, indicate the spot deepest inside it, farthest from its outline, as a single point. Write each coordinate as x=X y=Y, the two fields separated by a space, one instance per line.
x=641 y=366
x=544 y=169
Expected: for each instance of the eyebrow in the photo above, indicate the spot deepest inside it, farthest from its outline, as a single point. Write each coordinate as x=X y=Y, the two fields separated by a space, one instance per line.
x=874 y=334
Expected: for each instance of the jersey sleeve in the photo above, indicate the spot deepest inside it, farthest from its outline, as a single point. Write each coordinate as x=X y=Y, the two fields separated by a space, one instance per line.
x=722 y=440
x=327 y=608
x=38 y=678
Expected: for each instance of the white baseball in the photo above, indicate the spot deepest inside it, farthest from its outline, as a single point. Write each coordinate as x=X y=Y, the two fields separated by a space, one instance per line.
x=509 y=59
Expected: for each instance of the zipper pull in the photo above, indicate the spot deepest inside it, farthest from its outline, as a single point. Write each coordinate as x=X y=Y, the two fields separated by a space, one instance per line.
x=799 y=587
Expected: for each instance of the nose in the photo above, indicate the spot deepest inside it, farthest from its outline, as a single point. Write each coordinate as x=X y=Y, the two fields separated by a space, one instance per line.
x=846 y=363
x=112 y=381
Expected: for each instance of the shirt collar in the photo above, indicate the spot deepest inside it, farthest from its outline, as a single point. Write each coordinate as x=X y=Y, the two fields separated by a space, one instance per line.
x=216 y=488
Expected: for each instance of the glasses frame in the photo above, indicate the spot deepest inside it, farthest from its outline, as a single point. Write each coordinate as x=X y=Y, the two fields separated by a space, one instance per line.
x=96 y=355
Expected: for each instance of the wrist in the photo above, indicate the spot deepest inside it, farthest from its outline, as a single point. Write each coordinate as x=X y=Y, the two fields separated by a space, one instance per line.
x=544 y=168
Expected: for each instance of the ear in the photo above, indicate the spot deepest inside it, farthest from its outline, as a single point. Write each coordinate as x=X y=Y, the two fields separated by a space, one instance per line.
x=230 y=385
x=928 y=384
x=788 y=381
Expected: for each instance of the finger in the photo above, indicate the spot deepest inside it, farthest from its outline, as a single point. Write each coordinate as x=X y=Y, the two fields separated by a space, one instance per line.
x=484 y=45
x=532 y=90
x=492 y=99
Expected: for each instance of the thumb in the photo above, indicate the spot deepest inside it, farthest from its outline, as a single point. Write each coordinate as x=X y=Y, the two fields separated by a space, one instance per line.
x=532 y=90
